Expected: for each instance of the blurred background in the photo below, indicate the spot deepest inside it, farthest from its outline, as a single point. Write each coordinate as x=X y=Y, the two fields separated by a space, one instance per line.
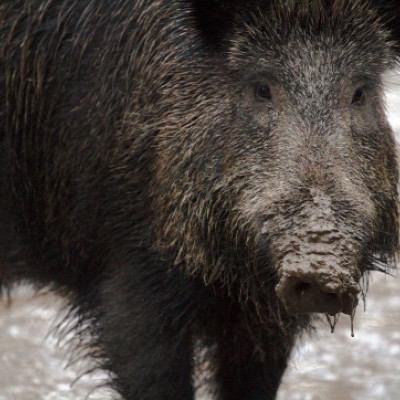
x=35 y=366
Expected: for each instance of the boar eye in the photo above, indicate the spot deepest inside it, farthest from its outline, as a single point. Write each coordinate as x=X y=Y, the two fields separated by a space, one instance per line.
x=263 y=92
x=358 y=97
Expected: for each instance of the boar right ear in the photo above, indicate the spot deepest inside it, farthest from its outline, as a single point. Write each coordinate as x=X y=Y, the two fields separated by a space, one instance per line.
x=215 y=18
x=389 y=10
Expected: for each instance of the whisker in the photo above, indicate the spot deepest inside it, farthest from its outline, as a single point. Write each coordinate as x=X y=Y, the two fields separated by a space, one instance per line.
x=377 y=268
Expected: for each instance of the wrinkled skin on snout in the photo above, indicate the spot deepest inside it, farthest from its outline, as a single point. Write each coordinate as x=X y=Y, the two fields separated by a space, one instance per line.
x=305 y=169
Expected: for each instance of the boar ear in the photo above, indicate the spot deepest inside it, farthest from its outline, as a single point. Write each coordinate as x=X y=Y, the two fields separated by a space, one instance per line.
x=389 y=10
x=215 y=18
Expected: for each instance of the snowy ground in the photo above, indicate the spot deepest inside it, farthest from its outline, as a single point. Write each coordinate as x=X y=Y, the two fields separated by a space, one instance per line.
x=328 y=367
x=392 y=84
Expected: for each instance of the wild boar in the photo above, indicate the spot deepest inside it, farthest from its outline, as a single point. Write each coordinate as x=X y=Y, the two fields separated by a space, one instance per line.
x=196 y=169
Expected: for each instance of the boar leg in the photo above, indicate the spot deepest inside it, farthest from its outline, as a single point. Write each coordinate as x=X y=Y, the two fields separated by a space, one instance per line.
x=246 y=376
x=148 y=349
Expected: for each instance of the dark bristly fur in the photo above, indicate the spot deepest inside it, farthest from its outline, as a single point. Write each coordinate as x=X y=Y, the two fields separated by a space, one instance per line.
x=141 y=178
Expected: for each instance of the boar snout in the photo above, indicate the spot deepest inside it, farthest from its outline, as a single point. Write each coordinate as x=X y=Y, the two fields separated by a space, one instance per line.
x=318 y=256
x=319 y=273
x=301 y=294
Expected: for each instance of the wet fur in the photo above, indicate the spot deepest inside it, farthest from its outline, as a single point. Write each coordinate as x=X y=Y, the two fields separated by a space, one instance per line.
x=107 y=108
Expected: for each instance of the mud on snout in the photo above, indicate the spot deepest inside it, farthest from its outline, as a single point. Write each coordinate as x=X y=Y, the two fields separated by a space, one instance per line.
x=317 y=259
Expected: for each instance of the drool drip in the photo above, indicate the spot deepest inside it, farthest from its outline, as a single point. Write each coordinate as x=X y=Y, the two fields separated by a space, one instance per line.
x=332 y=321
x=352 y=322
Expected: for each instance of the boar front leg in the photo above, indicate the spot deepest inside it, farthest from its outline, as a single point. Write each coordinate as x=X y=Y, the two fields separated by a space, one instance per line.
x=246 y=375
x=140 y=329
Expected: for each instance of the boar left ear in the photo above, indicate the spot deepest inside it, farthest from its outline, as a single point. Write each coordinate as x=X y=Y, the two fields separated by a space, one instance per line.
x=215 y=18
x=389 y=10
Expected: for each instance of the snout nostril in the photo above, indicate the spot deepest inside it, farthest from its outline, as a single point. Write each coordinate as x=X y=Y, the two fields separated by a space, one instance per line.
x=303 y=294
x=302 y=288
